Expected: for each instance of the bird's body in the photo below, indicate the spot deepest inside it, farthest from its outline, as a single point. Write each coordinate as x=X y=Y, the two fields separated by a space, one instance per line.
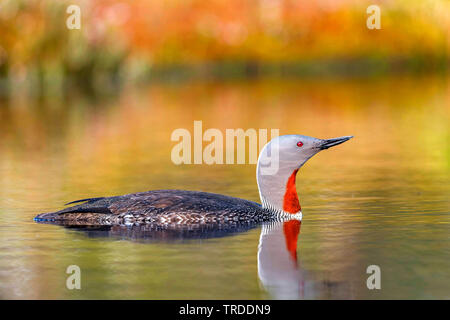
x=278 y=164
x=162 y=207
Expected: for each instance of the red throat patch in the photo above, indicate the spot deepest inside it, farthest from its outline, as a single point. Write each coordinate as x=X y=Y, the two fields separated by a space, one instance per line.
x=290 y=200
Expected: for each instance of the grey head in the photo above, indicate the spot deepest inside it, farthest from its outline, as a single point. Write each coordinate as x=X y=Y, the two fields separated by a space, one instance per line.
x=278 y=163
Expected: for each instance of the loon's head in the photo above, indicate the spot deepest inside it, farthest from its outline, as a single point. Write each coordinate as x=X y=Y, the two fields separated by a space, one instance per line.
x=278 y=163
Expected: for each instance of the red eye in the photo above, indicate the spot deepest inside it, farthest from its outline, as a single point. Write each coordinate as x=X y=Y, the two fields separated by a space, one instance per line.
x=299 y=144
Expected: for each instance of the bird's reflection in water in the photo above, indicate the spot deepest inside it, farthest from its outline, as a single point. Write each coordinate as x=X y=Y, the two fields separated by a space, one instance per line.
x=162 y=233
x=281 y=273
x=278 y=268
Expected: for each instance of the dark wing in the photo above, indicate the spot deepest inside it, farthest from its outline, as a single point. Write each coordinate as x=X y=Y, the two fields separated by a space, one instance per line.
x=83 y=200
x=92 y=206
x=160 y=202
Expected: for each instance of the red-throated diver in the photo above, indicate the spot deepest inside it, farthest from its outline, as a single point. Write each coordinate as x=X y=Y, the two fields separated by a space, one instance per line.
x=278 y=164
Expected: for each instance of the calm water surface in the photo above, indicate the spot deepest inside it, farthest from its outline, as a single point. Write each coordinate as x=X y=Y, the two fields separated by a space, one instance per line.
x=381 y=198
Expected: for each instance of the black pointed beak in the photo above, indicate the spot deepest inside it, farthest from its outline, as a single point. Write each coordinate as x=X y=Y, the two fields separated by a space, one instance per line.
x=327 y=143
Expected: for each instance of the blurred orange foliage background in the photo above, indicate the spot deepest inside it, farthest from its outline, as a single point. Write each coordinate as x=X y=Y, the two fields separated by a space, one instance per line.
x=138 y=39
